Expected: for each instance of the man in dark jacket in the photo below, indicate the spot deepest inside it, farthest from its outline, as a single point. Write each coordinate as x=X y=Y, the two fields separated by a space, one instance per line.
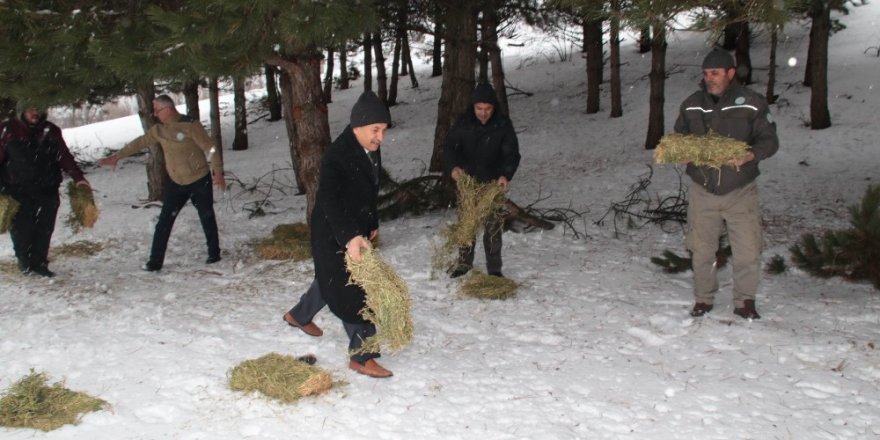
x=344 y=219
x=32 y=156
x=483 y=144
x=728 y=195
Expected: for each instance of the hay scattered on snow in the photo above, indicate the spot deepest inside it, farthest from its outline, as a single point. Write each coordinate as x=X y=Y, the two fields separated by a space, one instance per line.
x=480 y=285
x=477 y=203
x=280 y=377
x=32 y=403
x=83 y=212
x=8 y=209
x=82 y=248
x=712 y=150
x=387 y=303
x=288 y=242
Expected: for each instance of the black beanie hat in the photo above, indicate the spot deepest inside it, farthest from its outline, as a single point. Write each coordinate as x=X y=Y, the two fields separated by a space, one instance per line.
x=718 y=59
x=484 y=92
x=369 y=109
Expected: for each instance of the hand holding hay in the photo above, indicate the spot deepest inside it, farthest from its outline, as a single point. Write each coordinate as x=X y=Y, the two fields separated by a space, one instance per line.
x=8 y=209
x=712 y=150
x=83 y=212
x=477 y=203
x=387 y=302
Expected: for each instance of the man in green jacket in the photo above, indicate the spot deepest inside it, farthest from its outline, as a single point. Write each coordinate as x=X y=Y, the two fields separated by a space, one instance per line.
x=728 y=195
x=187 y=148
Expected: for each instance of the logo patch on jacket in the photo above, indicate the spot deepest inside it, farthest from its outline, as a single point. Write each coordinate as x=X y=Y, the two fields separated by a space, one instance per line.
x=180 y=136
x=739 y=100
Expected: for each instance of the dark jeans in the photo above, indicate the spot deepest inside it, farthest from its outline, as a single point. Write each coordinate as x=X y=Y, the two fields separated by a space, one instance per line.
x=173 y=199
x=311 y=303
x=33 y=225
x=492 y=244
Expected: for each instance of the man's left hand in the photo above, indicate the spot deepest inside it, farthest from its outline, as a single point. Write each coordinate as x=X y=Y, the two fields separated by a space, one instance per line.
x=220 y=182
x=503 y=182
x=747 y=158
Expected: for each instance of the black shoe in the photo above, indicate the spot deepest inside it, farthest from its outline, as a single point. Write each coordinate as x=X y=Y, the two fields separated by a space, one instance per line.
x=151 y=267
x=458 y=271
x=42 y=271
x=701 y=309
x=747 y=311
x=212 y=260
x=497 y=274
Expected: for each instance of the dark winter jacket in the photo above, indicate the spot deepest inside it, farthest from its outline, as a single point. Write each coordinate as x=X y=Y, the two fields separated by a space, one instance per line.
x=32 y=157
x=740 y=114
x=345 y=207
x=485 y=152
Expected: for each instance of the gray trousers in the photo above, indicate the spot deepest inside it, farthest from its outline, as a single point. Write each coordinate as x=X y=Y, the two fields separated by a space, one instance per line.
x=706 y=216
x=491 y=243
x=311 y=302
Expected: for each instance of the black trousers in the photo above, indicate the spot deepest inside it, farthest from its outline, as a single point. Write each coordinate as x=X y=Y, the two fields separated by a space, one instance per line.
x=33 y=225
x=491 y=243
x=173 y=199
x=311 y=303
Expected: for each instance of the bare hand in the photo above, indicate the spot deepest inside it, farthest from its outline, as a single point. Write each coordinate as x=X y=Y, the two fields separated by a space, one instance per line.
x=84 y=183
x=353 y=247
x=747 y=158
x=374 y=236
x=456 y=173
x=220 y=182
x=109 y=160
x=503 y=182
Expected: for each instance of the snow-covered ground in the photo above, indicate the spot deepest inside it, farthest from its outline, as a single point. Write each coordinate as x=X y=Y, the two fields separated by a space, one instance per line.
x=597 y=343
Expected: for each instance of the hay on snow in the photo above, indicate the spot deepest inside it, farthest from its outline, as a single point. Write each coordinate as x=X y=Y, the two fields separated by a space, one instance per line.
x=480 y=285
x=32 y=403
x=387 y=303
x=288 y=242
x=280 y=377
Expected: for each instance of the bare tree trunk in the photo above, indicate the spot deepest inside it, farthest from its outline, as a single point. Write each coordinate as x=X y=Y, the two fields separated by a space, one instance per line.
x=157 y=174
x=490 y=45
x=272 y=96
x=191 y=97
x=808 y=66
x=7 y=108
x=458 y=80
x=437 y=52
x=820 y=117
x=328 y=77
x=482 y=51
x=658 y=84
x=645 y=40
x=343 y=68
x=593 y=46
x=214 y=114
x=395 y=66
x=743 y=57
x=287 y=103
x=309 y=114
x=771 y=73
x=381 y=72
x=407 y=60
x=368 y=62
x=240 y=139
x=614 y=49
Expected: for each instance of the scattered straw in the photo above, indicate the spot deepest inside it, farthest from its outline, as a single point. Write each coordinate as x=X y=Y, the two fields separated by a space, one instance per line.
x=8 y=209
x=477 y=204
x=480 y=285
x=387 y=303
x=288 y=242
x=31 y=403
x=280 y=377
x=82 y=248
x=712 y=150
x=9 y=267
x=83 y=212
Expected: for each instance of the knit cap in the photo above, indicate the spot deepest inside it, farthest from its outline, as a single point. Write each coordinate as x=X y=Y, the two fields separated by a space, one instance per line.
x=369 y=109
x=718 y=59
x=484 y=92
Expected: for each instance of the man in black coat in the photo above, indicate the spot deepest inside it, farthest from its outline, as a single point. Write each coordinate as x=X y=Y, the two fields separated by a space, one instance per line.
x=483 y=144
x=32 y=156
x=345 y=218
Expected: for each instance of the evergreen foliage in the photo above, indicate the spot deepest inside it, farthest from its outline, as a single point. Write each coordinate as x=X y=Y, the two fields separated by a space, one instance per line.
x=776 y=265
x=671 y=262
x=854 y=253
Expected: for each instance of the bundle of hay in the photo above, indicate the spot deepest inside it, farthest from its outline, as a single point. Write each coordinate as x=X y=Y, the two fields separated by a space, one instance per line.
x=280 y=377
x=31 y=403
x=387 y=303
x=477 y=203
x=8 y=209
x=480 y=285
x=288 y=242
x=83 y=212
x=712 y=150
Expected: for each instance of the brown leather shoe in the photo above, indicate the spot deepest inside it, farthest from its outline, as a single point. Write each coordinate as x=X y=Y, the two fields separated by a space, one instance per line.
x=370 y=368
x=747 y=311
x=701 y=309
x=310 y=329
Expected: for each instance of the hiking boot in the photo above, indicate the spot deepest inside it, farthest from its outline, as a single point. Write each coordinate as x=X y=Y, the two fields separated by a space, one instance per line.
x=42 y=271
x=457 y=271
x=701 y=309
x=310 y=329
x=747 y=311
x=370 y=368
x=212 y=260
x=497 y=274
x=149 y=266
